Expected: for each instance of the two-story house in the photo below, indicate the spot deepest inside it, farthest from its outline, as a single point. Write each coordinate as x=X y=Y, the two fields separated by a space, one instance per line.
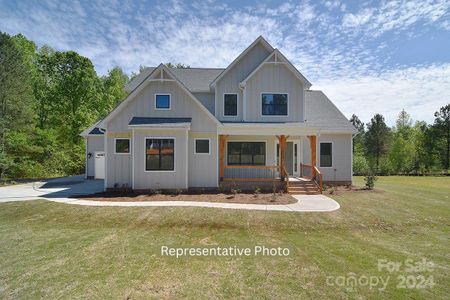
x=254 y=122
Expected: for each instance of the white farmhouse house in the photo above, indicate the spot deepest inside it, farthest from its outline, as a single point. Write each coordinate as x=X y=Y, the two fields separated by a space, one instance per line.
x=256 y=122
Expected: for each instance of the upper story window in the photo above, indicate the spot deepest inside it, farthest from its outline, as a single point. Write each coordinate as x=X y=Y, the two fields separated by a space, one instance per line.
x=162 y=101
x=326 y=155
x=274 y=104
x=122 y=146
x=230 y=104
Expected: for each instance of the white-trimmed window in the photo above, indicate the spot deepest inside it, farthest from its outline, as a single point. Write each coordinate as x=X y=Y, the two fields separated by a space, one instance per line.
x=162 y=101
x=246 y=153
x=122 y=146
x=326 y=154
x=159 y=154
x=202 y=146
x=230 y=105
x=274 y=104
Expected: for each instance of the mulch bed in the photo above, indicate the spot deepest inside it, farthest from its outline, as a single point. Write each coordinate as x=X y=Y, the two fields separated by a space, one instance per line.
x=263 y=198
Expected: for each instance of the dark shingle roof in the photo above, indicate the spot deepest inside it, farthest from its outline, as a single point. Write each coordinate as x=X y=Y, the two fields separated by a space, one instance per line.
x=152 y=121
x=195 y=79
x=96 y=130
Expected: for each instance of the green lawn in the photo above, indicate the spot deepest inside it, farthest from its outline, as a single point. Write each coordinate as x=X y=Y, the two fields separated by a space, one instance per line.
x=50 y=250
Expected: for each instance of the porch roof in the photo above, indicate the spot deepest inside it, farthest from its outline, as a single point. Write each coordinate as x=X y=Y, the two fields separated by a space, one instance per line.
x=142 y=122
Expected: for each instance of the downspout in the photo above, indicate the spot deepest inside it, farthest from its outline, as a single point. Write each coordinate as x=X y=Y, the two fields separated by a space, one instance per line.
x=244 y=102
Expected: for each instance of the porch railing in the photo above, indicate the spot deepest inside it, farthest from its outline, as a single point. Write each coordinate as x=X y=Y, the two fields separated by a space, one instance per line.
x=318 y=178
x=250 y=173
x=313 y=173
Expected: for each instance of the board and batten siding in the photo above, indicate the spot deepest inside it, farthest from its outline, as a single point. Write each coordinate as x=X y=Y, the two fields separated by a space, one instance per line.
x=182 y=106
x=118 y=166
x=203 y=168
x=176 y=179
x=230 y=82
x=341 y=156
x=278 y=79
x=95 y=143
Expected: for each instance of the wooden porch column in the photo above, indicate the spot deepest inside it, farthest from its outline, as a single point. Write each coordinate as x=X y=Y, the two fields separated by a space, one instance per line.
x=222 y=141
x=312 y=143
x=282 y=141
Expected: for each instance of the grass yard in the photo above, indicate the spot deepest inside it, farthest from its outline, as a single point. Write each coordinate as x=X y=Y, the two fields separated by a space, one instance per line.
x=51 y=250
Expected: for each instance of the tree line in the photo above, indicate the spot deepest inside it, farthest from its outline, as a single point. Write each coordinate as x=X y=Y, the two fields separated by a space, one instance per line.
x=407 y=148
x=48 y=97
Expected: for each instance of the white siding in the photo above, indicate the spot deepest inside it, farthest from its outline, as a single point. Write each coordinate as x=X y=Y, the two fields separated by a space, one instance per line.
x=203 y=168
x=341 y=156
x=182 y=105
x=274 y=78
x=118 y=166
x=94 y=143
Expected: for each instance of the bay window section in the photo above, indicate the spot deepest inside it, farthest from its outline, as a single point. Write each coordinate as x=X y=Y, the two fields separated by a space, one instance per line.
x=246 y=153
x=159 y=154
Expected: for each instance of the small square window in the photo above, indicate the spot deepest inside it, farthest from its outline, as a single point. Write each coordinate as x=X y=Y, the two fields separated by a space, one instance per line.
x=122 y=146
x=162 y=101
x=202 y=146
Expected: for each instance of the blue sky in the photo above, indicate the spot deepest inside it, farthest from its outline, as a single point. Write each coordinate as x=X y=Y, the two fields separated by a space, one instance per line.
x=367 y=56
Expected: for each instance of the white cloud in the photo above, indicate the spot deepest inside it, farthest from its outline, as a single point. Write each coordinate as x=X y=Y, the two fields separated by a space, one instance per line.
x=356 y=20
x=419 y=90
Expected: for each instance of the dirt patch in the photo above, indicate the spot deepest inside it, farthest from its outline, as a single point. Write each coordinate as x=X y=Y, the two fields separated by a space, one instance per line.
x=263 y=198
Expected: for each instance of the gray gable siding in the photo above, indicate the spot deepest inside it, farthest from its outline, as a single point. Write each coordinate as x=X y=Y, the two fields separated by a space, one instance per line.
x=230 y=82
x=143 y=105
x=274 y=78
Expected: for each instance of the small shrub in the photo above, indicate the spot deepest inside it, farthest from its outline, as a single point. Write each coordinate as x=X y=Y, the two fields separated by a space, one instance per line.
x=256 y=190
x=331 y=190
x=178 y=191
x=221 y=188
x=370 y=179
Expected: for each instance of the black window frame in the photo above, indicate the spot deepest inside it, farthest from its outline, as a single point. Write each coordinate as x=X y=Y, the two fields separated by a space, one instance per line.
x=202 y=140
x=330 y=154
x=278 y=109
x=225 y=114
x=121 y=140
x=163 y=108
x=253 y=154
x=160 y=156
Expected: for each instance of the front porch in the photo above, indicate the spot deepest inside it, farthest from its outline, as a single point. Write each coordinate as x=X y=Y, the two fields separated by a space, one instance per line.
x=270 y=161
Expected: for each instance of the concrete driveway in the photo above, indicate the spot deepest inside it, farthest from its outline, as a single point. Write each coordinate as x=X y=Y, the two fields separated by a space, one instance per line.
x=54 y=188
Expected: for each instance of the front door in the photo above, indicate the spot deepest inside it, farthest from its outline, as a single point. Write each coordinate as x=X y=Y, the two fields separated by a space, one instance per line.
x=99 y=162
x=292 y=162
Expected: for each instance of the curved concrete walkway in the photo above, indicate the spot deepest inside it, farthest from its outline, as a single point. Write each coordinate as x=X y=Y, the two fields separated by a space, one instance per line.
x=63 y=189
x=306 y=203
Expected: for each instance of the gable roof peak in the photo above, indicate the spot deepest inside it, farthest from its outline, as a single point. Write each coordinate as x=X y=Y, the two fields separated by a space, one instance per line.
x=259 y=40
